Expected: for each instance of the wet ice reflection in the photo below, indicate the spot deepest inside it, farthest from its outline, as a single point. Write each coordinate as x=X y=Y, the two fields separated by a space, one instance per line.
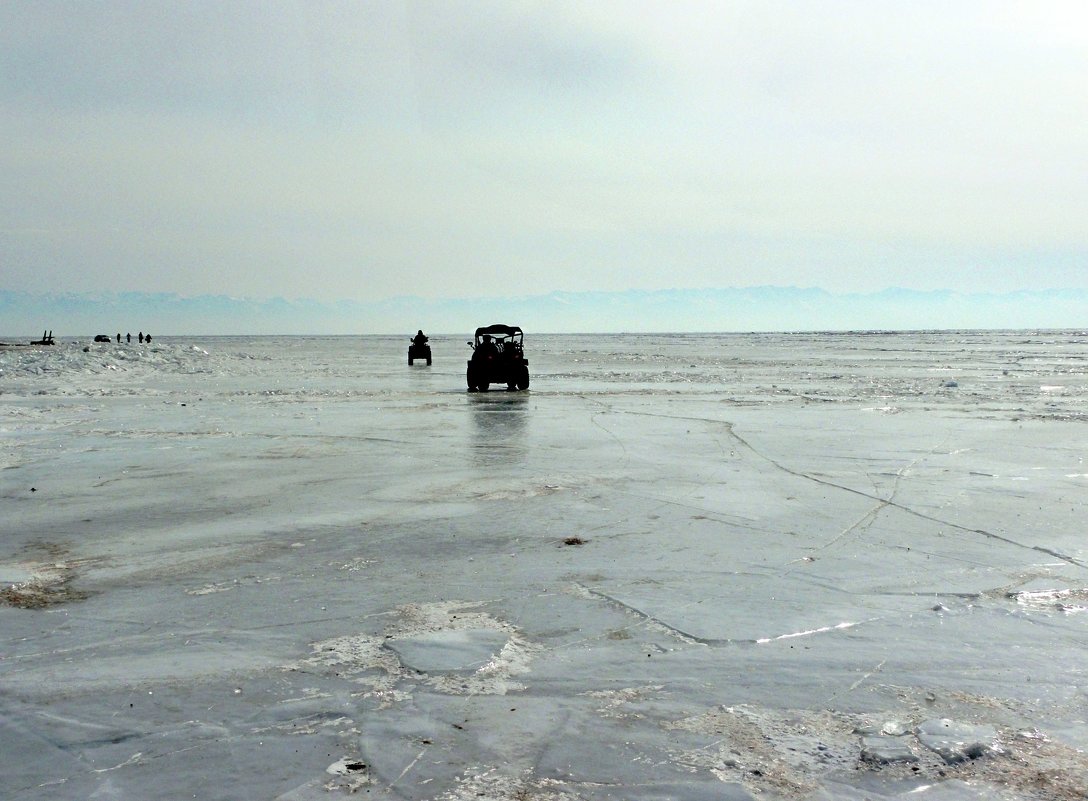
x=500 y=423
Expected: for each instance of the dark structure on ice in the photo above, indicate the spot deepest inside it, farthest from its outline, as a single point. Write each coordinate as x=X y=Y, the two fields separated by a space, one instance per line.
x=419 y=349
x=498 y=357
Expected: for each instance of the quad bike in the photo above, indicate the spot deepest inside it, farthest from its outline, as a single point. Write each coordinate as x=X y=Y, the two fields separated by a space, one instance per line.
x=419 y=351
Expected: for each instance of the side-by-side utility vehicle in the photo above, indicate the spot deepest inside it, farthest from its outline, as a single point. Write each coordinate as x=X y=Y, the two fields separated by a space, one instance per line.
x=498 y=357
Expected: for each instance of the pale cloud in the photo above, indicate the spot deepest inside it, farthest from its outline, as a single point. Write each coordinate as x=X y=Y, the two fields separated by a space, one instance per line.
x=455 y=149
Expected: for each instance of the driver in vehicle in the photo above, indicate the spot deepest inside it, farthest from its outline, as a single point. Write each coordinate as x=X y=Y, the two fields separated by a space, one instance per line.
x=419 y=338
x=487 y=349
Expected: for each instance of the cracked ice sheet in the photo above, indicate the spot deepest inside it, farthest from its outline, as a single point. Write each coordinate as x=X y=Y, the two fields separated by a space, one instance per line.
x=735 y=488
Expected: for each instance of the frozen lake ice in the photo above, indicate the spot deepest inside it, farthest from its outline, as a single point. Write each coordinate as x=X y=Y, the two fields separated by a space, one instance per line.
x=775 y=566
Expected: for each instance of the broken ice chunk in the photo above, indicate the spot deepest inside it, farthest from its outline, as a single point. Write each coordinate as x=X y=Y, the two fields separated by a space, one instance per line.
x=883 y=750
x=957 y=742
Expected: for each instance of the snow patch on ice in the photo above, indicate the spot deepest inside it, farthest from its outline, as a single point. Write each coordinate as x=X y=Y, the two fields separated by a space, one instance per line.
x=43 y=584
x=359 y=563
x=226 y=586
x=1060 y=600
x=341 y=725
x=791 y=753
x=351 y=775
x=769 y=751
x=615 y=701
x=490 y=784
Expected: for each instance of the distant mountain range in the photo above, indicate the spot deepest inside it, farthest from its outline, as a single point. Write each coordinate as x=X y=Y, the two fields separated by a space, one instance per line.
x=765 y=308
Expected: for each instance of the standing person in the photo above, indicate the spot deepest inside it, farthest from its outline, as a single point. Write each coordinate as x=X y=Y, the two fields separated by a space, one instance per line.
x=141 y=337
x=128 y=338
x=118 y=337
x=147 y=338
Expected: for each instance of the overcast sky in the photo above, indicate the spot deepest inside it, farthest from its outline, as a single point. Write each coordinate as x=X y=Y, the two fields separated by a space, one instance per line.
x=450 y=149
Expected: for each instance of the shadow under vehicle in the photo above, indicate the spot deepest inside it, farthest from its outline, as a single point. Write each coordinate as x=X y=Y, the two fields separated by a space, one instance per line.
x=419 y=351
x=498 y=357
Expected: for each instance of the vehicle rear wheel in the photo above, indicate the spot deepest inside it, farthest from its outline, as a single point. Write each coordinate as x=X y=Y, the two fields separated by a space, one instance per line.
x=409 y=360
x=428 y=361
x=523 y=379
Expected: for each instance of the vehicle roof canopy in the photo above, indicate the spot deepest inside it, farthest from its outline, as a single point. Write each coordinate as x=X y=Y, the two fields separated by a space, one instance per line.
x=498 y=328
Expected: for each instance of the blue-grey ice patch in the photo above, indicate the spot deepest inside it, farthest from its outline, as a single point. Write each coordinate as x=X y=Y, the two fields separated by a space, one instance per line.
x=15 y=573
x=444 y=645
x=41 y=749
x=957 y=742
x=151 y=661
x=693 y=613
x=456 y=651
x=495 y=783
x=547 y=748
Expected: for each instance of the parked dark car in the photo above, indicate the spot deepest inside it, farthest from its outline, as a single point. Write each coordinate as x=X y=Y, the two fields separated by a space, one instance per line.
x=102 y=338
x=498 y=357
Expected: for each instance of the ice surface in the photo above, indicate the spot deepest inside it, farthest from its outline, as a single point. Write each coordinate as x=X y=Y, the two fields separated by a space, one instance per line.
x=797 y=566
